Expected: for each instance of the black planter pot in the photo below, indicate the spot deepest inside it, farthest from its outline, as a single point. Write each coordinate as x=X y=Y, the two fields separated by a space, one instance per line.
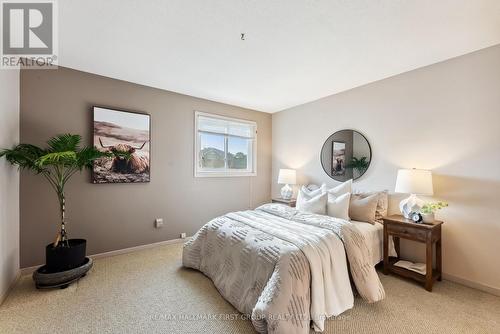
x=65 y=258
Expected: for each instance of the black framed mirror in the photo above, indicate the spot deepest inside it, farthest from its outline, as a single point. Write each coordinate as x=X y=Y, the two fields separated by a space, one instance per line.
x=346 y=155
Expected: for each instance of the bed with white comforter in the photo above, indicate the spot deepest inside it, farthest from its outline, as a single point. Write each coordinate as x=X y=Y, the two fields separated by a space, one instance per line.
x=286 y=269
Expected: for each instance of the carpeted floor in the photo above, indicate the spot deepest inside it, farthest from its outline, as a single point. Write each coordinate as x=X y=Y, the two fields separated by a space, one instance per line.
x=149 y=292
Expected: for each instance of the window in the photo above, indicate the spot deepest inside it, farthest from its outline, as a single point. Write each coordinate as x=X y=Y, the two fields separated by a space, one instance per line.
x=224 y=146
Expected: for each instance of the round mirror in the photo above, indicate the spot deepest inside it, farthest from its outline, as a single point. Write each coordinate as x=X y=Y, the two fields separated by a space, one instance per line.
x=346 y=155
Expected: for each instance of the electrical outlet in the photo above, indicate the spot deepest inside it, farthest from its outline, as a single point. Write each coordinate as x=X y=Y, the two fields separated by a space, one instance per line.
x=158 y=222
x=183 y=235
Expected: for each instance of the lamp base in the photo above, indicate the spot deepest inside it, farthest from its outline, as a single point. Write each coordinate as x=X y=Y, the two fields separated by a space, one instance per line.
x=286 y=192
x=410 y=204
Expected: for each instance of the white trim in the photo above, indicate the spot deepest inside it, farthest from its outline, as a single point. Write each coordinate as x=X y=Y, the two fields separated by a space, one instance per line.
x=475 y=285
x=30 y=270
x=225 y=173
x=10 y=288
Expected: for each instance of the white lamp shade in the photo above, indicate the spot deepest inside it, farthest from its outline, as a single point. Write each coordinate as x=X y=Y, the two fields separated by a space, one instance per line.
x=414 y=181
x=287 y=176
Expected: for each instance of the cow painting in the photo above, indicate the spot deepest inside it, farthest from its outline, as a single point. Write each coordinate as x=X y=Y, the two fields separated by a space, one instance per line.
x=126 y=136
x=125 y=160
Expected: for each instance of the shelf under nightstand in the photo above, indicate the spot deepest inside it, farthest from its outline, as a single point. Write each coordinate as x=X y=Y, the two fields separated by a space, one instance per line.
x=410 y=273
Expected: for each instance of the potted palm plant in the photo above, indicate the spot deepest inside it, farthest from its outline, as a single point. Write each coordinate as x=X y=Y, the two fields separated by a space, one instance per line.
x=57 y=163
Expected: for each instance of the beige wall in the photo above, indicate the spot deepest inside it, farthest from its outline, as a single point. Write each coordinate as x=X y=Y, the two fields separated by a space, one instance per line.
x=117 y=216
x=9 y=180
x=444 y=117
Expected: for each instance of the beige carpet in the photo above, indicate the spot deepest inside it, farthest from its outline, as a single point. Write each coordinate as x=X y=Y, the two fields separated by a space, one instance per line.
x=144 y=292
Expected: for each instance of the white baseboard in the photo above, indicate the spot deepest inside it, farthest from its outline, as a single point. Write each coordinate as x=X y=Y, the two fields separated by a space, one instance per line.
x=30 y=270
x=11 y=286
x=471 y=284
x=138 y=248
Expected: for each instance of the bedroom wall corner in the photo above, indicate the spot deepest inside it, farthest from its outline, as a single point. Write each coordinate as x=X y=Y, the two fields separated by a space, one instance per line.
x=444 y=117
x=9 y=182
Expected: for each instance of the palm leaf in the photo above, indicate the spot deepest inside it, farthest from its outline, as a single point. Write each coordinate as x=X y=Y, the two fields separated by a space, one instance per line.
x=86 y=156
x=67 y=158
x=64 y=143
x=24 y=156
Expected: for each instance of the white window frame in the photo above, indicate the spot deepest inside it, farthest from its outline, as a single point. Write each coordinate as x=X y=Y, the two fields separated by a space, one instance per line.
x=199 y=172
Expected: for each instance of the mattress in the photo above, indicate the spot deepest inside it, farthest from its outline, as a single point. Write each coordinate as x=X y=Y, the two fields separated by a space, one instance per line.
x=275 y=263
x=374 y=235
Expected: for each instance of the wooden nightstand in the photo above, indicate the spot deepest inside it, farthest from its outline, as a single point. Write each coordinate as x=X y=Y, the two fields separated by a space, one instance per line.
x=289 y=202
x=399 y=227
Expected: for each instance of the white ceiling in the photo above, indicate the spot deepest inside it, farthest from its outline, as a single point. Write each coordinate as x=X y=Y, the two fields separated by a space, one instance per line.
x=295 y=51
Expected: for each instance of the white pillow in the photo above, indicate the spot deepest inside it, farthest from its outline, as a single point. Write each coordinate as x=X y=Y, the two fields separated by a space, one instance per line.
x=338 y=207
x=341 y=189
x=315 y=192
x=312 y=204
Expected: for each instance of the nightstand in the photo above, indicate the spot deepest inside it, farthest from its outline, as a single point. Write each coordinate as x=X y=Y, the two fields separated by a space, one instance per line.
x=430 y=234
x=289 y=202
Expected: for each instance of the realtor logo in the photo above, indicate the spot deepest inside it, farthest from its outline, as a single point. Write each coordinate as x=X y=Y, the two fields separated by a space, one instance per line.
x=28 y=34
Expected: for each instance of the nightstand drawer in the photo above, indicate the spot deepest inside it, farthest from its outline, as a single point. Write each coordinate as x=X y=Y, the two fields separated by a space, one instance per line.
x=407 y=232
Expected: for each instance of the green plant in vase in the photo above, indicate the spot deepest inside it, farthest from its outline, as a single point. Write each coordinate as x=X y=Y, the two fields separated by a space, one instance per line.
x=429 y=209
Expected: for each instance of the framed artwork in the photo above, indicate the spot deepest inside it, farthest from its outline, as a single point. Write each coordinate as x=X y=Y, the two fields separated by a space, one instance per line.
x=338 y=158
x=127 y=136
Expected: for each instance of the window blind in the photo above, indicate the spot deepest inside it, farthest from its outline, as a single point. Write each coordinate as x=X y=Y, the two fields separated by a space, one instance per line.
x=226 y=127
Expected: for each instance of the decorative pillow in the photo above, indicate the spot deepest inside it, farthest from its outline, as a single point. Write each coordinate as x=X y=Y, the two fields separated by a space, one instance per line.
x=382 y=204
x=312 y=187
x=341 y=189
x=314 y=204
x=338 y=207
x=314 y=192
x=363 y=209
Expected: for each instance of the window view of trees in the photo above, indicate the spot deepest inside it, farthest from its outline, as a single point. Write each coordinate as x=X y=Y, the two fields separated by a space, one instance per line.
x=213 y=152
x=237 y=153
x=238 y=161
x=212 y=158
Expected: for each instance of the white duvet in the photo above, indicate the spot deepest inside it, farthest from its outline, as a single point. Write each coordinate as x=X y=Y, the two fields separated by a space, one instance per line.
x=285 y=268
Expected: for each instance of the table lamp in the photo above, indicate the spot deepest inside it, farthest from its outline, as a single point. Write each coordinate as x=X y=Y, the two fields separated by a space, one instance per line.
x=414 y=182
x=287 y=177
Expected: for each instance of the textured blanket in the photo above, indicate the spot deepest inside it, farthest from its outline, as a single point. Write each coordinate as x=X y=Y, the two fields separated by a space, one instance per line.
x=284 y=268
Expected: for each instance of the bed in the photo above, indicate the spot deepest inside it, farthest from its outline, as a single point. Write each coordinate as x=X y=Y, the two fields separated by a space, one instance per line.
x=374 y=236
x=285 y=269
